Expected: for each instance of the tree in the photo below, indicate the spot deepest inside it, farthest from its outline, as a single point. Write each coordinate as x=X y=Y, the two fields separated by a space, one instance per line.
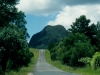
x=77 y=46
x=95 y=63
x=52 y=47
x=98 y=35
x=9 y=14
x=13 y=47
x=80 y=25
x=7 y=10
x=14 y=51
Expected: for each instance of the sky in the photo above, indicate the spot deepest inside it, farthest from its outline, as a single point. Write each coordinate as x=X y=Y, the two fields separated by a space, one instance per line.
x=40 y=13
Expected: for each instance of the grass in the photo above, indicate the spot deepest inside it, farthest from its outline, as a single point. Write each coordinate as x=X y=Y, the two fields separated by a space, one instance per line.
x=82 y=71
x=29 y=69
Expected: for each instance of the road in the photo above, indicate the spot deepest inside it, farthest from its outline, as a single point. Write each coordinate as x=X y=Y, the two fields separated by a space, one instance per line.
x=43 y=68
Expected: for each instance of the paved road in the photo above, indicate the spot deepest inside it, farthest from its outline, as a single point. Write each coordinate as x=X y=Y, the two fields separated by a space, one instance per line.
x=43 y=68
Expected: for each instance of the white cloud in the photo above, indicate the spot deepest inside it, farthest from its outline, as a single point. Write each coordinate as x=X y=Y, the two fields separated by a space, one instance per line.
x=70 y=13
x=39 y=7
x=48 y=7
x=79 y=2
x=68 y=10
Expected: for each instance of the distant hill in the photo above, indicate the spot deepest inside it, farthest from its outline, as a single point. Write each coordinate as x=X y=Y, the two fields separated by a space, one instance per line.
x=47 y=35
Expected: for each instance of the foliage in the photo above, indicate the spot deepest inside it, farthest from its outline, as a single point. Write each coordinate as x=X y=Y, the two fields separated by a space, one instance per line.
x=80 y=25
x=98 y=36
x=77 y=46
x=82 y=41
x=26 y=69
x=9 y=15
x=69 y=51
x=13 y=44
x=86 y=61
x=55 y=50
x=52 y=48
x=79 y=70
x=95 y=63
x=51 y=45
x=14 y=51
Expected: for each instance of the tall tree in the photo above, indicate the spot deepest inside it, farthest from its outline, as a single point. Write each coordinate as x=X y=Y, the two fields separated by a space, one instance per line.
x=98 y=35
x=80 y=25
x=14 y=49
x=9 y=14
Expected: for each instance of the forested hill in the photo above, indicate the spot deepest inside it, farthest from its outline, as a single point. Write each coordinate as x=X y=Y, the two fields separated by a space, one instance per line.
x=47 y=35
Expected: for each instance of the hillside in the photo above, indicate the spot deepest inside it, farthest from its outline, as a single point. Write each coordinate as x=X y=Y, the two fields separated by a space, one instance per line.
x=47 y=35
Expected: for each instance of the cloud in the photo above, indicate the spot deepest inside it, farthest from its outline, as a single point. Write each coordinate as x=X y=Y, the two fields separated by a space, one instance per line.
x=70 y=13
x=66 y=10
x=79 y=2
x=40 y=7
x=48 y=7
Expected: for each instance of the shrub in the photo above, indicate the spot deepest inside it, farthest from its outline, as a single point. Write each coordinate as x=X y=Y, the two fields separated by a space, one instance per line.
x=77 y=46
x=85 y=60
x=95 y=63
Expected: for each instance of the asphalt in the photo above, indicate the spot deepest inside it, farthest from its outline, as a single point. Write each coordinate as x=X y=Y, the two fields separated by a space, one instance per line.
x=43 y=68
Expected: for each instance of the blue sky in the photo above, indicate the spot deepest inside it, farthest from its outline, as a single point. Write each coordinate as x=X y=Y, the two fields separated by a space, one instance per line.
x=36 y=23
x=40 y=13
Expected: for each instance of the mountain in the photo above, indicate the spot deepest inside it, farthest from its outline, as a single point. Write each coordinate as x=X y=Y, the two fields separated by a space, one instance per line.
x=47 y=35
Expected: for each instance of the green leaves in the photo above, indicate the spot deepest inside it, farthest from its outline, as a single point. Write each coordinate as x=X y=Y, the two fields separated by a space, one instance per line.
x=82 y=41
x=9 y=2
x=14 y=51
x=95 y=63
x=77 y=46
x=80 y=25
x=9 y=15
x=13 y=44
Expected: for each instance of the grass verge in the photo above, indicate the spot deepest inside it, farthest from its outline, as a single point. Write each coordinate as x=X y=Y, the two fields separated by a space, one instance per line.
x=25 y=70
x=82 y=71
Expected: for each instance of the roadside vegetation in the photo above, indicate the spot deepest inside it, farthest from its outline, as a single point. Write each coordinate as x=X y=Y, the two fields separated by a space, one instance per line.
x=26 y=69
x=81 y=48
x=14 y=50
x=79 y=70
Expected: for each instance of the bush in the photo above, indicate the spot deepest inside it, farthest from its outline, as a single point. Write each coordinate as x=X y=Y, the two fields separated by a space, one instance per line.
x=77 y=46
x=85 y=60
x=53 y=54
x=14 y=51
x=95 y=63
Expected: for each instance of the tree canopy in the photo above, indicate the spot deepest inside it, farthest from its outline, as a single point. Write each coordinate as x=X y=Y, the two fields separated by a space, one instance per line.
x=82 y=42
x=14 y=51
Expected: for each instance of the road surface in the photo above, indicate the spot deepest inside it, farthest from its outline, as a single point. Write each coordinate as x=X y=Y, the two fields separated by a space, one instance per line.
x=43 y=68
